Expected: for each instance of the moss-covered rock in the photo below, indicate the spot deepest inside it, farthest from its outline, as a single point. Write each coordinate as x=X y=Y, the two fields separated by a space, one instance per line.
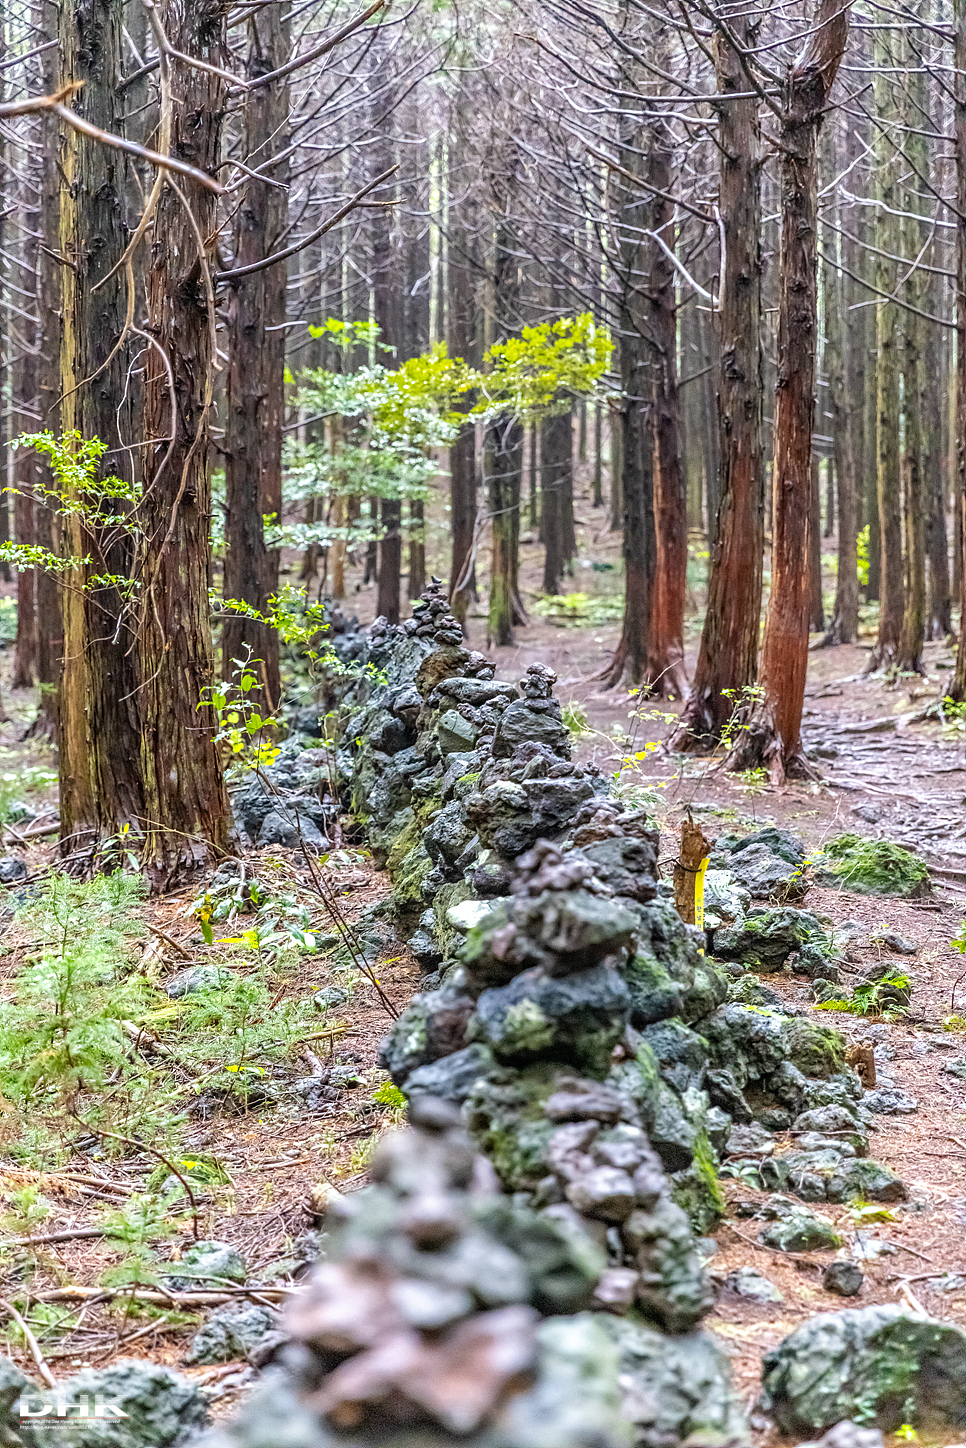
x=878 y=1366
x=505 y=1116
x=872 y=867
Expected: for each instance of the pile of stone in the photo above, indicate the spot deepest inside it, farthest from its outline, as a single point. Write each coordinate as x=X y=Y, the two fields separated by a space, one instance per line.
x=444 y=1309
x=531 y=899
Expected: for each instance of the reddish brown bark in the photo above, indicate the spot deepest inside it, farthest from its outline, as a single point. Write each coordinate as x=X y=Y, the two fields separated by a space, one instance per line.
x=727 y=658
x=665 y=671
x=772 y=735
x=957 y=689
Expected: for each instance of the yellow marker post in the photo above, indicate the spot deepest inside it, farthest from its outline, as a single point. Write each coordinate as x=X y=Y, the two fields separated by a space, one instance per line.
x=699 y=897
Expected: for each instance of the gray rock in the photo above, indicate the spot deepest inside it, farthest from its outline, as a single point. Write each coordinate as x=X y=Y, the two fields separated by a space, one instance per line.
x=848 y=1434
x=292 y=828
x=843 y=1278
x=956 y=1067
x=766 y=938
x=605 y=1193
x=673 y=1289
x=578 y=1018
x=749 y=1282
x=800 y=1230
x=197 y=978
x=329 y=997
x=724 y=896
x=12 y=870
x=895 y=942
x=521 y=724
x=766 y=876
x=681 y=1053
x=452 y=1078
x=676 y=1389
x=161 y=1408
x=878 y=1363
x=867 y=1181
x=232 y=1332
x=750 y=1140
x=456 y=735
x=890 y=1101
x=206 y=1264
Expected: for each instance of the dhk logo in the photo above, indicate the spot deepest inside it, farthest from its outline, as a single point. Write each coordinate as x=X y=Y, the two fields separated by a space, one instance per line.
x=58 y=1405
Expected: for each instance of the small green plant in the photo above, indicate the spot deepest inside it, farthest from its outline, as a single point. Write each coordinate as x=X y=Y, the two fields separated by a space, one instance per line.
x=28 y=1208
x=753 y=781
x=887 y=997
x=389 y=1095
x=246 y=735
x=953 y=715
x=575 y=718
x=864 y=1214
x=862 y=556
x=134 y=1228
x=955 y=1023
x=63 y=1031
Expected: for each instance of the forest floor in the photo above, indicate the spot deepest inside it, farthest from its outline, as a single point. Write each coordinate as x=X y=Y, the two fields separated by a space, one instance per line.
x=881 y=774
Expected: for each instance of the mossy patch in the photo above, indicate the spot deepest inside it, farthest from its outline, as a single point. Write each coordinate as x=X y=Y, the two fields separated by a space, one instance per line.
x=872 y=867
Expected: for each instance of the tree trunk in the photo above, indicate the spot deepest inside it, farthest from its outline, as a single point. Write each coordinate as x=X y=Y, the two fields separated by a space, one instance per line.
x=839 y=345
x=100 y=737
x=255 y=401
x=177 y=771
x=665 y=673
x=27 y=471
x=416 y=580
x=773 y=733
x=888 y=409
x=916 y=235
x=504 y=457
x=939 y=618
x=816 y=609
x=556 y=467
x=463 y=331
x=389 y=313
x=727 y=658
x=957 y=689
x=632 y=209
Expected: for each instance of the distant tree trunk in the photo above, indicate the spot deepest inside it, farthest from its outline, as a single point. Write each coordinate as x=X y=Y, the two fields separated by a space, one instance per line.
x=916 y=235
x=556 y=466
x=255 y=402
x=939 y=619
x=957 y=689
x=416 y=581
x=665 y=674
x=632 y=210
x=727 y=658
x=388 y=308
x=816 y=608
x=888 y=409
x=844 y=625
x=772 y=735
x=504 y=456
x=463 y=326
x=177 y=771
x=505 y=441
x=598 y=457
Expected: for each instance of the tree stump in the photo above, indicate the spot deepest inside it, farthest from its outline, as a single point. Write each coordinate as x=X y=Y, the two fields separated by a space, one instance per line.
x=695 y=847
